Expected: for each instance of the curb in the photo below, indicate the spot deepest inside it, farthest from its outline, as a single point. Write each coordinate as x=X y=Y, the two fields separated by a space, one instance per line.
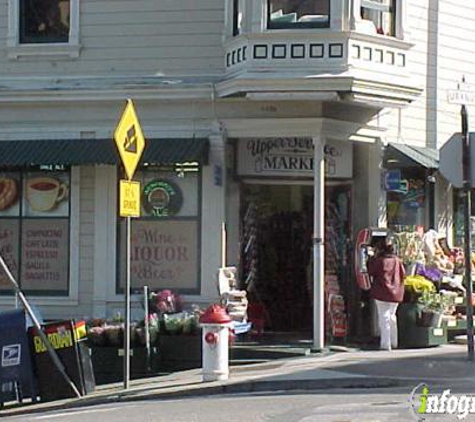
x=232 y=388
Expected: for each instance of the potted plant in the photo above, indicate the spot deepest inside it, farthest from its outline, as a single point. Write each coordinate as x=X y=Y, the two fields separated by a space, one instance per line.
x=431 y=307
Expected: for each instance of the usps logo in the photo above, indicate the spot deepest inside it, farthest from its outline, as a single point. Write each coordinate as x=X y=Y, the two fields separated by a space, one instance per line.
x=11 y=355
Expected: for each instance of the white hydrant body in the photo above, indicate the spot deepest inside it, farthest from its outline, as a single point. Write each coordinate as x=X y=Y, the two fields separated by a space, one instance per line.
x=215 y=344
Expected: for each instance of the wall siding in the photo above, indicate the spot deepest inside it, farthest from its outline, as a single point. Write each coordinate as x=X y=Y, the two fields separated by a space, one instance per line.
x=180 y=37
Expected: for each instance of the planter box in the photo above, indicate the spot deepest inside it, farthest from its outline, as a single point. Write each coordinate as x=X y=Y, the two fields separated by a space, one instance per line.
x=411 y=335
x=180 y=352
x=108 y=363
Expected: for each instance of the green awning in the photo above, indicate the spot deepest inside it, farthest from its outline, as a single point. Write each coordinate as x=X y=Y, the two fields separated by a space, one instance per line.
x=403 y=155
x=100 y=151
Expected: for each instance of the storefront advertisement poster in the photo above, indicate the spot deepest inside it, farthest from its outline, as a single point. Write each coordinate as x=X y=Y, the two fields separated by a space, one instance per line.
x=45 y=194
x=9 y=238
x=45 y=254
x=9 y=194
x=164 y=254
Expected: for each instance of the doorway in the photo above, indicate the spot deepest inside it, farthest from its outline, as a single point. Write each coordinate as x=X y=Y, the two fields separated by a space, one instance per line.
x=276 y=250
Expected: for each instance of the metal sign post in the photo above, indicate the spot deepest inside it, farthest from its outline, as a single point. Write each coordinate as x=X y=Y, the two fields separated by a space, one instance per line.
x=127 y=307
x=130 y=144
x=462 y=97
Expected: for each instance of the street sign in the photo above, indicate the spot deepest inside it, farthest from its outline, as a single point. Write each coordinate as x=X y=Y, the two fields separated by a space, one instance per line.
x=129 y=198
x=129 y=139
x=461 y=97
x=450 y=160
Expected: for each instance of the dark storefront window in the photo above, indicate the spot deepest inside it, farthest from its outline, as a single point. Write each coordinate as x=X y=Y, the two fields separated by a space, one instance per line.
x=34 y=230
x=165 y=240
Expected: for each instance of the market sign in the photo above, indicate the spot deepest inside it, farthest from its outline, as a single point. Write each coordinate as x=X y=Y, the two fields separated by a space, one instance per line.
x=291 y=157
x=129 y=139
x=129 y=198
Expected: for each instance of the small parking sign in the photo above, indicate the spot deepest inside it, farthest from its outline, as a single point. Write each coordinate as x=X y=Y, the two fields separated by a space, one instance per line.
x=11 y=355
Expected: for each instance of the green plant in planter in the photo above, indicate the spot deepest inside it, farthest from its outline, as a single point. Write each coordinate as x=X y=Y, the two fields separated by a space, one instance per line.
x=431 y=302
x=431 y=307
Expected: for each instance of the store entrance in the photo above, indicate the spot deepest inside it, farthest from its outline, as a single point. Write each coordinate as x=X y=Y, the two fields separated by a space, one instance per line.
x=276 y=250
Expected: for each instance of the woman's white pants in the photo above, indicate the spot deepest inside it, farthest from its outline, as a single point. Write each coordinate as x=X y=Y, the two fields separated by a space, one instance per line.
x=387 y=324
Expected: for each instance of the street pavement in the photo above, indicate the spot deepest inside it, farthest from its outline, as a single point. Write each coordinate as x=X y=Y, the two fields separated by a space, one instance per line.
x=444 y=365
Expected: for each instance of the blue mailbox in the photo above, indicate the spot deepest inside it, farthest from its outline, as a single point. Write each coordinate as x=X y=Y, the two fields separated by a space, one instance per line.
x=17 y=380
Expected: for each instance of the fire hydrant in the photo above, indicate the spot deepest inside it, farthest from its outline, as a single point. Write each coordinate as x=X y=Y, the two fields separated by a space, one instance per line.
x=215 y=345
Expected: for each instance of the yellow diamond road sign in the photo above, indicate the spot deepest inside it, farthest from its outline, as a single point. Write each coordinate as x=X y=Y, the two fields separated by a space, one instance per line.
x=129 y=198
x=129 y=139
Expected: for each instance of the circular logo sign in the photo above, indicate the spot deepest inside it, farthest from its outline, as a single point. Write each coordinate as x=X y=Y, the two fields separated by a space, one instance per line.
x=162 y=198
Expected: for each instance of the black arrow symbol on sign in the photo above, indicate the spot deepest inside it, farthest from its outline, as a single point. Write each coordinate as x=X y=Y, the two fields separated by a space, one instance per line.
x=130 y=144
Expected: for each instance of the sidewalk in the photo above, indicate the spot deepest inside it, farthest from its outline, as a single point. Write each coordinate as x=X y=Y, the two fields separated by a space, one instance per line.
x=353 y=369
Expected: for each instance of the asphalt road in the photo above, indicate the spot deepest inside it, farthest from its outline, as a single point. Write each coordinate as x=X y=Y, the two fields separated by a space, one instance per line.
x=368 y=405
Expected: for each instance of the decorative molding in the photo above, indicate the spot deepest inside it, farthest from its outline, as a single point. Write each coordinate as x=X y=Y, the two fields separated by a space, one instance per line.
x=336 y=50
x=297 y=51
x=317 y=51
x=260 y=51
x=279 y=51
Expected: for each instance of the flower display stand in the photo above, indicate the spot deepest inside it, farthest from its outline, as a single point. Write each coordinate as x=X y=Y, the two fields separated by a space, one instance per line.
x=411 y=335
x=108 y=363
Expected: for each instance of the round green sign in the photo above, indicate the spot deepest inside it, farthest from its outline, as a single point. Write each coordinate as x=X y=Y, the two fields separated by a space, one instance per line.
x=162 y=198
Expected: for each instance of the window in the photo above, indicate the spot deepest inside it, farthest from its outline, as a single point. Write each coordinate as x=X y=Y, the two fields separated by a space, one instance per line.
x=237 y=16
x=46 y=27
x=45 y=21
x=35 y=230
x=382 y=14
x=298 y=14
x=165 y=239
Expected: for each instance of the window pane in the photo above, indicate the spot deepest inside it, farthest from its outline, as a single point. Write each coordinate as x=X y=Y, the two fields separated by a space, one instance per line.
x=46 y=194
x=298 y=13
x=9 y=240
x=164 y=254
x=382 y=14
x=45 y=255
x=45 y=21
x=237 y=16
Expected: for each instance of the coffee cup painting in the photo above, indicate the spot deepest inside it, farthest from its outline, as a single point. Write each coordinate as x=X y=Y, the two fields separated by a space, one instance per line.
x=45 y=193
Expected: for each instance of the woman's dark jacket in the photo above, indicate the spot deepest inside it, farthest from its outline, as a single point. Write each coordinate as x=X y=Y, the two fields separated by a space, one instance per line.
x=388 y=276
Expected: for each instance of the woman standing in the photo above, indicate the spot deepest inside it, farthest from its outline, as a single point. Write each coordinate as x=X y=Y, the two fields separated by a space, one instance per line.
x=387 y=289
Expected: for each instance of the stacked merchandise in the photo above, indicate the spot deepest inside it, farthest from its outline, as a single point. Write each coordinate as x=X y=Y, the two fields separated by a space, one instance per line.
x=335 y=262
x=336 y=321
x=234 y=300
x=249 y=243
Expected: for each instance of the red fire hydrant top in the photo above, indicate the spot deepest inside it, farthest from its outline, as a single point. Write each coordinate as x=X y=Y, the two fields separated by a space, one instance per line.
x=215 y=314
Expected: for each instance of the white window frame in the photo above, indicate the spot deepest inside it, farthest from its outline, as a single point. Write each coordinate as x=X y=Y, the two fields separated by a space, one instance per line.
x=16 y=49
